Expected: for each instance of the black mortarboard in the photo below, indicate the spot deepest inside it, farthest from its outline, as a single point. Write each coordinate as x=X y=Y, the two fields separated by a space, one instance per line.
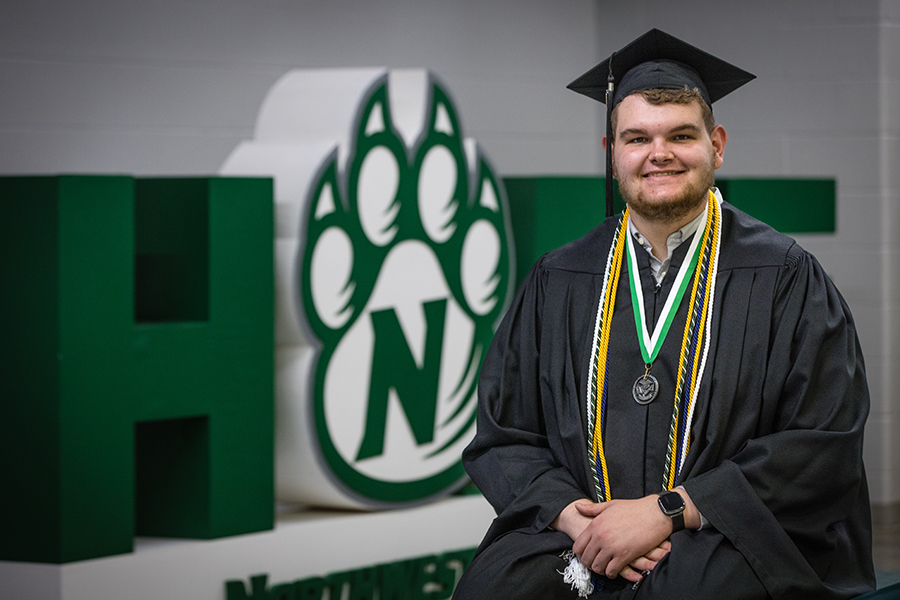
x=656 y=60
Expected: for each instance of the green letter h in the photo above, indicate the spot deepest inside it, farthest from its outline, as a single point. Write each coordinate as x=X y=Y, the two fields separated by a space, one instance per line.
x=136 y=362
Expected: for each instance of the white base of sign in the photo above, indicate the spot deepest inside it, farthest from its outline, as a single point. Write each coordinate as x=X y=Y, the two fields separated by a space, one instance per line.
x=303 y=544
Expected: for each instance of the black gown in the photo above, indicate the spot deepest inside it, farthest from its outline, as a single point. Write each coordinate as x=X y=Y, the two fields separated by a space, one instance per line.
x=775 y=463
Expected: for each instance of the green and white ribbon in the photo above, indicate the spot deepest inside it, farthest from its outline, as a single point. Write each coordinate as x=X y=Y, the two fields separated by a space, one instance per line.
x=651 y=343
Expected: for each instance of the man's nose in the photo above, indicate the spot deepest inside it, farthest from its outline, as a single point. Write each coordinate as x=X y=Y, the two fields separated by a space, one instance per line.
x=660 y=151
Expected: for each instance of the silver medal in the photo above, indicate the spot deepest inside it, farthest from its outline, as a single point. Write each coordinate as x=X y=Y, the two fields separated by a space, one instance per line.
x=645 y=389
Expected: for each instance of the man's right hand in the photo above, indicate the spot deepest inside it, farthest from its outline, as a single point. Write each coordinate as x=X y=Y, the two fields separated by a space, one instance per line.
x=575 y=519
x=570 y=521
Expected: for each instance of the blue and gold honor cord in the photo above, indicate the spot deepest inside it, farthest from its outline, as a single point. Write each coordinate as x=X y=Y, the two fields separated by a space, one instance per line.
x=694 y=347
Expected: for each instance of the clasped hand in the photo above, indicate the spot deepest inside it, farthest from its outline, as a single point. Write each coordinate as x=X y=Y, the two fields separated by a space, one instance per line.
x=622 y=537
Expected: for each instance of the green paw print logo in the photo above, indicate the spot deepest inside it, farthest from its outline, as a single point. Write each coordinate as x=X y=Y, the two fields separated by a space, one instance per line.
x=403 y=272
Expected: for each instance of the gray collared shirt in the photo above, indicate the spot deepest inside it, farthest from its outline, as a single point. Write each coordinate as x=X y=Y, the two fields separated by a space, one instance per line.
x=661 y=267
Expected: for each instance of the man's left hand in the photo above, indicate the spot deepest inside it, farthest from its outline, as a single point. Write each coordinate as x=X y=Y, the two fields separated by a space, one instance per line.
x=621 y=533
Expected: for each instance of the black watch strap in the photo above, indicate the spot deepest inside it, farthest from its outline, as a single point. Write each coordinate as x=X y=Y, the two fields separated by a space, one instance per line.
x=677 y=522
x=672 y=505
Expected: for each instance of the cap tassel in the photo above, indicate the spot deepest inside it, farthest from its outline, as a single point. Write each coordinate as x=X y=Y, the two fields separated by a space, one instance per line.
x=610 y=90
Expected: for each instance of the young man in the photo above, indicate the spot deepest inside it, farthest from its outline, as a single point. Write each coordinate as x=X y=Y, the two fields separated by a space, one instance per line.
x=673 y=406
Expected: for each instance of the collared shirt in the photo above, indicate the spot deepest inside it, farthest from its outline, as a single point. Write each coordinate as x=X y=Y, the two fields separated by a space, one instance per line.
x=661 y=267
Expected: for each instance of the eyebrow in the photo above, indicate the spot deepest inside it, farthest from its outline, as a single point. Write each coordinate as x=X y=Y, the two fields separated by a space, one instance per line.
x=640 y=131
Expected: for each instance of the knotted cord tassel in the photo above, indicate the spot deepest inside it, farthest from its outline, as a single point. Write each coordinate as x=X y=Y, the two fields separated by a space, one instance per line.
x=577 y=575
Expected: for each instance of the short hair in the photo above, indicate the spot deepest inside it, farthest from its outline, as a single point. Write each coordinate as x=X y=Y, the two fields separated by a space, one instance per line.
x=683 y=95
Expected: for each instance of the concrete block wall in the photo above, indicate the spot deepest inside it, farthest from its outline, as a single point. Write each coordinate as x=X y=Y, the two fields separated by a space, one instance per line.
x=170 y=87
x=884 y=421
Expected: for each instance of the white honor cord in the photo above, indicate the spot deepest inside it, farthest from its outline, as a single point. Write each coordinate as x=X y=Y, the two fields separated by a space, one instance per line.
x=713 y=274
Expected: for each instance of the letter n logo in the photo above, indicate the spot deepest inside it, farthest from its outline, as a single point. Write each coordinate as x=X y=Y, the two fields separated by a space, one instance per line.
x=393 y=268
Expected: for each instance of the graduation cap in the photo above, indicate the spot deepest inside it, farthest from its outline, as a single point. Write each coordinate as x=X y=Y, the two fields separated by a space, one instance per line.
x=656 y=60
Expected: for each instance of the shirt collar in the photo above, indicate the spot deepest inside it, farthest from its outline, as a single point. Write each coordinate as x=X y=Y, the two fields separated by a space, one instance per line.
x=679 y=236
x=660 y=267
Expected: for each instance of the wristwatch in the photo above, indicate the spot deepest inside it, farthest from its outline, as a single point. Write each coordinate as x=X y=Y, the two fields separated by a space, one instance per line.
x=672 y=505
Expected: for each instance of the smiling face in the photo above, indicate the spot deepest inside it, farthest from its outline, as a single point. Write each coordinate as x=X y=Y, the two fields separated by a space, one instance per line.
x=664 y=158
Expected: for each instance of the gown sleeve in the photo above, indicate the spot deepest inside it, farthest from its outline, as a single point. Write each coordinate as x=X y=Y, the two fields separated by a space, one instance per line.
x=792 y=498
x=519 y=468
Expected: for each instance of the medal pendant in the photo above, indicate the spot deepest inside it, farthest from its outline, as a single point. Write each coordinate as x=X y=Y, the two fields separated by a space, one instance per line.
x=645 y=389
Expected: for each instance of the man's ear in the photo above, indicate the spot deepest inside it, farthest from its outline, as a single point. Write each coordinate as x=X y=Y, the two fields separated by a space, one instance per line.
x=719 y=138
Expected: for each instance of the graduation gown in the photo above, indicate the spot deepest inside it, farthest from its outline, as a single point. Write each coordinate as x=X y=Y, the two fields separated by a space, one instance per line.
x=775 y=463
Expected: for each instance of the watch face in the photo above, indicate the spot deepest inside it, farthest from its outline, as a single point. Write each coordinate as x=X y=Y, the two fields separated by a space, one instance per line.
x=671 y=503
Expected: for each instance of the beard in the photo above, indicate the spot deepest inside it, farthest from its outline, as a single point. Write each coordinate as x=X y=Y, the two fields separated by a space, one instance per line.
x=675 y=208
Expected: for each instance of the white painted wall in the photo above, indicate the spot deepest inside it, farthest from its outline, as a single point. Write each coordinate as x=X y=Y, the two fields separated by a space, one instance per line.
x=170 y=87
x=883 y=445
